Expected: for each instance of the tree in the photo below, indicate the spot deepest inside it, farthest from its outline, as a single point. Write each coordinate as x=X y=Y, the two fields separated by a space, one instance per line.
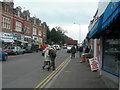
x=48 y=34
x=54 y=35
x=57 y=35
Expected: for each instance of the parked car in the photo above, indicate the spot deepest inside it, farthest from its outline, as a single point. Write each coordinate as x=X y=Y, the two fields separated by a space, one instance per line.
x=28 y=49
x=3 y=56
x=57 y=47
x=69 y=48
x=23 y=50
x=15 y=50
x=64 y=46
x=4 y=50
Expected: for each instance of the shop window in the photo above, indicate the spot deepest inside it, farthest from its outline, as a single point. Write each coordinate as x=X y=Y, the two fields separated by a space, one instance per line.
x=112 y=55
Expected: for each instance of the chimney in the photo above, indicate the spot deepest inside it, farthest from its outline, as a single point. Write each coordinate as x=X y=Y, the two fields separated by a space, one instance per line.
x=9 y=2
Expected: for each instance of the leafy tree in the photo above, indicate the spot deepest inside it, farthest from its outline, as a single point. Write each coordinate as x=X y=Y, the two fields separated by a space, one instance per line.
x=57 y=36
x=54 y=35
x=48 y=34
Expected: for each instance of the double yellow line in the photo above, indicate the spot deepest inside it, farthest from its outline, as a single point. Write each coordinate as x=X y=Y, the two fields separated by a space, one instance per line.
x=51 y=75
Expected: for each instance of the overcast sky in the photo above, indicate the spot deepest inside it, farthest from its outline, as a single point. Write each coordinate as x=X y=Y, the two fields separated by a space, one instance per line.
x=63 y=13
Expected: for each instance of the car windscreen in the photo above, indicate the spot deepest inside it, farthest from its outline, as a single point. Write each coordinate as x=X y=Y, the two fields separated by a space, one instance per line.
x=70 y=45
x=10 y=48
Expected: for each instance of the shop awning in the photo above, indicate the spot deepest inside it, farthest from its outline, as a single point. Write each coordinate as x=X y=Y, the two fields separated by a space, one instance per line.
x=96 y=28
x=93 y=31
x=22 y=41
x=8 y=40
x=111 y=12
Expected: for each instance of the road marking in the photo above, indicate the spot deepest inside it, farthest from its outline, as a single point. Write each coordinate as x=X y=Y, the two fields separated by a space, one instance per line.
x=48 y=76
x=51 y=75
x=54 y=74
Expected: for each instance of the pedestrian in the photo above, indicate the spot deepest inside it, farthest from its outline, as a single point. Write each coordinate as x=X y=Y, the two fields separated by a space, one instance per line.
x=87 y=50
x=80 y=49
x=46 y=57
x=52 y=53
x=73 y=51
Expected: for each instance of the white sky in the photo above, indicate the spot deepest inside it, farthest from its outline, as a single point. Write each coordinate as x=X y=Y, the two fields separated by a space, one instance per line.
x=63 y=13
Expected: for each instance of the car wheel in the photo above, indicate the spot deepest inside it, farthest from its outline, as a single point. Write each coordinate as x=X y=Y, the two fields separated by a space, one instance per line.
x=5 y=58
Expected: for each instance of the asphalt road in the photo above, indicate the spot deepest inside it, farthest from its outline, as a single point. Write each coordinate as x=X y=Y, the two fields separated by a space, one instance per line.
x=25 y=71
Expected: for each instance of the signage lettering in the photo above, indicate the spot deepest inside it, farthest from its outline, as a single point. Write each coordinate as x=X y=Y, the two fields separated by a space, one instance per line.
x=94 y=64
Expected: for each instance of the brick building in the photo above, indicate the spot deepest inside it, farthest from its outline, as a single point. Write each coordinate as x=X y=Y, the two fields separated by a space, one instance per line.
x=18 y=28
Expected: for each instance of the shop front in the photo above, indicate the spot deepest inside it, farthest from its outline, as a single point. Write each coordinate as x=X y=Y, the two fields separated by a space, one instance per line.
x=111 y=44
x=35 y=44
x=35 y=40
x=111 y=58
x=28 y=39
x=7 y=39
x=108 y=32
x=19 y=40
x=40 y=42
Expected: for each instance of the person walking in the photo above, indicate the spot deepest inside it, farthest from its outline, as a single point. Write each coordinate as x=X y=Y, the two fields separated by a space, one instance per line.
x=52 y=54
x=80 y=49
x=73 y=51
x=46 y=57
x=87 y=50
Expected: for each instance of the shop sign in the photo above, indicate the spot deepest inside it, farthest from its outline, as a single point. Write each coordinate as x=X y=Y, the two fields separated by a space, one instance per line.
x=28 y=39
x=40 y=39
x=7 y=35
x=17 y=36
x=94 y=64
x=27 y=36
x=8 y=40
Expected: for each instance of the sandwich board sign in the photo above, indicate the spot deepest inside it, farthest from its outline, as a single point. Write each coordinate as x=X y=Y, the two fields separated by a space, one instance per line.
x=94 y=64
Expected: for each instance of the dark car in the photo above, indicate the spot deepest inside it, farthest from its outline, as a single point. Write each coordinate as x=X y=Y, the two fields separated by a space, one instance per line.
x=3 y=56
x=28 y=50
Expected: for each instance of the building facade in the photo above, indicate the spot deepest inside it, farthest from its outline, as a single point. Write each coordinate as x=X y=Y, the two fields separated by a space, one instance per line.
x=18 y=28
x=104 y=37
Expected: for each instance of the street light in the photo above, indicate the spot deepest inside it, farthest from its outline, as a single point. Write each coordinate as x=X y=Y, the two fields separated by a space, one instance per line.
x=79 y=32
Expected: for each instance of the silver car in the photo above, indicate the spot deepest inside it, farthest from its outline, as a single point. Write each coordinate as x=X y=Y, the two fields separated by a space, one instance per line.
x=15 y=50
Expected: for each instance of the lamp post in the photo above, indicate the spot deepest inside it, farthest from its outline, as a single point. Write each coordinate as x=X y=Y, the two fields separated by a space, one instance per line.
x=79 y=32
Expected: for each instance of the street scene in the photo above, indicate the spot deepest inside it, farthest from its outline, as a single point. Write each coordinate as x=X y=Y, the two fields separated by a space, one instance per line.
x=25 y=71
x=67 y=44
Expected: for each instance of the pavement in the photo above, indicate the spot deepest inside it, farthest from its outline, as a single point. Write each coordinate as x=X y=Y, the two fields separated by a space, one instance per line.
x=77 y=75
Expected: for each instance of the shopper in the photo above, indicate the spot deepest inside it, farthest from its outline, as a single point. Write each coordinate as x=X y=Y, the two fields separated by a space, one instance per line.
x=46 y=57
x=73 y=51
x=52 y=53
x=80 y=49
